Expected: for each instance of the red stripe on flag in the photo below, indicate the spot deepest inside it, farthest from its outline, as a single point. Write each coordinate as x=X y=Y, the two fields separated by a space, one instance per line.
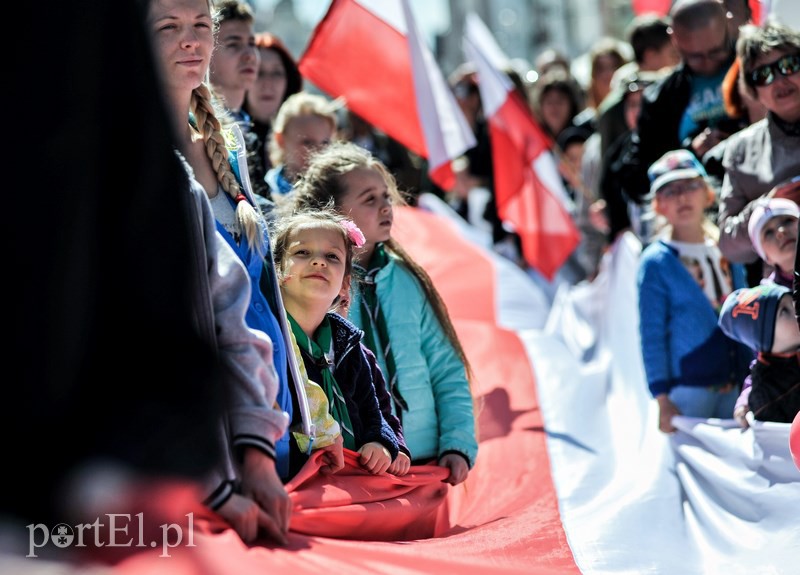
x=547 y=231
x=504 y=519
x=439 y=248
x=355 y=54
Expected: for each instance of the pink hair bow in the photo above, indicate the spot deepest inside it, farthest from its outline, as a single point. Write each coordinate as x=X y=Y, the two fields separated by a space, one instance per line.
x=354 y=233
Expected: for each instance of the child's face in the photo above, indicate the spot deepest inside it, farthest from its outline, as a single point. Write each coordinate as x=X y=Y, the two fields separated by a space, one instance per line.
x=787 y=332
x=573 y=154
x=683 y=202
x=313 y=269
x=368 y=203
x=301 y=137
x=779 y=241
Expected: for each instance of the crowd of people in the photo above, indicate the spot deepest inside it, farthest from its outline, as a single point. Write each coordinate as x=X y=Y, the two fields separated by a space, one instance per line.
x=691 y=147
x=327 y=335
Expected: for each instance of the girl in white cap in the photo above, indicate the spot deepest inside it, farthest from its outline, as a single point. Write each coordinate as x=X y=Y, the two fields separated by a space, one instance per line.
x=773 y=232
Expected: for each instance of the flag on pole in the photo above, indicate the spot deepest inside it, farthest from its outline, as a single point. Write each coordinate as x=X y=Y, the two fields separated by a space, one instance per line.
x=528 y=190
x=370 y=53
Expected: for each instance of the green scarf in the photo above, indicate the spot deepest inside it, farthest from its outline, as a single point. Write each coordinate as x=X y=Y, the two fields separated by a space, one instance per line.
x=376 y=334
x=314 y=347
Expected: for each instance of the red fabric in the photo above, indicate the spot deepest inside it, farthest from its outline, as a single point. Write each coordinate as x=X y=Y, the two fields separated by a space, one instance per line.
x=503 y=519
x=660 y=7
x=355 y=504
x=547 y=231
x=755 y=9
x=353 y=54
x=376 y=67
x=794 y=440
x=429 y=238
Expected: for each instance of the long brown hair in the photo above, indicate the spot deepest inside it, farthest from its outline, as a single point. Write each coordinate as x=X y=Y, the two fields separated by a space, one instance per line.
x=322 y=182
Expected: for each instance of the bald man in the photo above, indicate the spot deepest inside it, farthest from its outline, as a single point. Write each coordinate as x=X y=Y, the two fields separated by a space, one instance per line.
x=685 y=109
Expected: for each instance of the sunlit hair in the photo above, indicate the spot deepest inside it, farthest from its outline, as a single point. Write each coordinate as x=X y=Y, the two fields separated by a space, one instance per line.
x=234 y=11
x=647 y=32
x=731 y=96
x=692 y=15
x=323 y=181
x=295 y=106
x=210 y=129
x=321 y=218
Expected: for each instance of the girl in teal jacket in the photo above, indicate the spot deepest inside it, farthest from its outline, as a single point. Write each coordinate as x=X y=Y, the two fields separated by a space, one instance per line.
x=404 y=319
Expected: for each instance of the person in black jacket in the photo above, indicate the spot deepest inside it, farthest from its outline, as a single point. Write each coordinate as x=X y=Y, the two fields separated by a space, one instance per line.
x=314 y=257
x=686 y=109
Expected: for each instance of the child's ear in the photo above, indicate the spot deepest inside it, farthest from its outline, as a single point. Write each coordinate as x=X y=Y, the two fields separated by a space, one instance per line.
x=712 y=196
x=656 y=206
x=282 y=276
x=345 y=291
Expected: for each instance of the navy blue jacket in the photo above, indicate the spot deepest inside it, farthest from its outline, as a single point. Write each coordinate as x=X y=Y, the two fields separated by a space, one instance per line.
x=353 y=373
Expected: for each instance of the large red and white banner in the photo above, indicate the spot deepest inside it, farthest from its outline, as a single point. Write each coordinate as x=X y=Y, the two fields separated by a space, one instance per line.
x=370 y=53
x=572 y=475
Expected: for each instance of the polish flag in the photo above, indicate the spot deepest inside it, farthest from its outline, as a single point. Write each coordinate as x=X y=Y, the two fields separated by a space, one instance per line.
x=370 y=53
x=528 y=190
x=573 y=476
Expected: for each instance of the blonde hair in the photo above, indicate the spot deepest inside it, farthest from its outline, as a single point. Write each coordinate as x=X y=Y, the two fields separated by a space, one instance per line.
x=322 y=182
x=217 y=146
x=295 y=106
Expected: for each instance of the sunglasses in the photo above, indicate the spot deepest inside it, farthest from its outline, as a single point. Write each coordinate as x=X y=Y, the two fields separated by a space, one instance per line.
x=768 y=73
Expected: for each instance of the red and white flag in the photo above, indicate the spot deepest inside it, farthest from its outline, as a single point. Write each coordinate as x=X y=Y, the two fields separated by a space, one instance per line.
x=370 y=53
x=528 y=190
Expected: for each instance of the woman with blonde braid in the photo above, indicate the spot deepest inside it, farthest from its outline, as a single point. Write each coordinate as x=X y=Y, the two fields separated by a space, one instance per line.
x=183 y=34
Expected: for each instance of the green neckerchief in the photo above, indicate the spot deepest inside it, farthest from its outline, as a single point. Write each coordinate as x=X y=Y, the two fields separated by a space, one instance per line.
x=376 y=334
x=314 y=347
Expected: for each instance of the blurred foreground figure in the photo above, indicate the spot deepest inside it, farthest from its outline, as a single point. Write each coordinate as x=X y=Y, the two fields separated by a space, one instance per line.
x=109 y=370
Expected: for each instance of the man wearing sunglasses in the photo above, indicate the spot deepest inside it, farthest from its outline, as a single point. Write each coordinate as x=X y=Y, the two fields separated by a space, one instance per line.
x=686 y=109
x=767 y=153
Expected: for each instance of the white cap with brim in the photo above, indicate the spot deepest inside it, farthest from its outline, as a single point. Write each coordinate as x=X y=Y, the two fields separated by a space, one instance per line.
x=673 y=166
x=764 y=211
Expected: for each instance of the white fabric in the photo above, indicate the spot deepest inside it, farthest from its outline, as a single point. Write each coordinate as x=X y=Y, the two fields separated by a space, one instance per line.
x=710 y=498
x=482 y=50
